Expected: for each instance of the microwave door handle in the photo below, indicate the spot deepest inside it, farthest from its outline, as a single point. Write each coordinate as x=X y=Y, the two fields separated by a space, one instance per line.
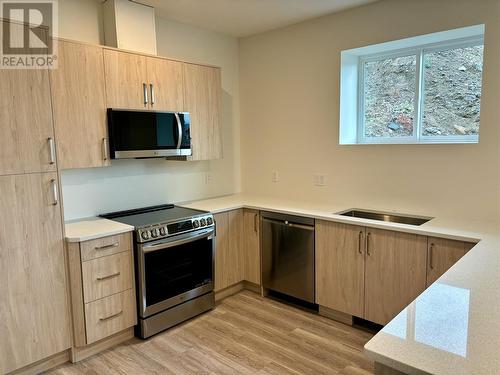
x=179 y=130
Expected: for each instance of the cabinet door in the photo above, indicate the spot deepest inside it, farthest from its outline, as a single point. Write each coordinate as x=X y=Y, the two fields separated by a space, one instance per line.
x=340 y=267
x=442 y=254
x=251 y=246
x=35 y=319
x=166 y=84
x=203 y=102
x=228 y=260
x=126 y=76
x=78 y=97
x=395 y=270
x=26 y=144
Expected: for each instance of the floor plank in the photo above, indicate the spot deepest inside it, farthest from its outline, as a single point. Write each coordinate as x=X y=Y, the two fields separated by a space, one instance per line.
x=244 y=334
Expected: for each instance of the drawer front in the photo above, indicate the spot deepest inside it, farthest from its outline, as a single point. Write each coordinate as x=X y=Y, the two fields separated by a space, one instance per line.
x=110 y=315
x=105 y=276
x=105 y=246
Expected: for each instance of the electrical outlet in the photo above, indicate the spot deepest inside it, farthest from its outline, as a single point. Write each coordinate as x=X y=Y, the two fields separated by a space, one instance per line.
x=319 y=180
x=275 y=176
x=208 y=178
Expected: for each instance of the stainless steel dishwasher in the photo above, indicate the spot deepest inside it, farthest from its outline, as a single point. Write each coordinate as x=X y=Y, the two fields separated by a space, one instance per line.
x=288 y=255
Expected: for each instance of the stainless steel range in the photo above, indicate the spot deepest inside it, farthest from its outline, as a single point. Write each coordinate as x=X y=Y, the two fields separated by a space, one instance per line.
x=174 y=264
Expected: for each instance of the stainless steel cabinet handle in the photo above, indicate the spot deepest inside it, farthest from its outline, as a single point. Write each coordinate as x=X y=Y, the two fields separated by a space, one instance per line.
x=153 y=96
x=255 y=223
x=111 y=316
x=368 y=243
x=100 y=278
x=431 y=256
x=360 y=239
x=55 y=193
x=105 y=149
x=145 y=93
x=179 y=130
x=104 y=247
x=52 y=150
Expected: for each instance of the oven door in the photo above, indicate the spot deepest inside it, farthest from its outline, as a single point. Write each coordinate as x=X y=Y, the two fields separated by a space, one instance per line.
x=174 y=270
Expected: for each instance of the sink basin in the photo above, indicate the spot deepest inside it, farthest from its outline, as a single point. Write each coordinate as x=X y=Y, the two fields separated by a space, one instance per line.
x=386 y=216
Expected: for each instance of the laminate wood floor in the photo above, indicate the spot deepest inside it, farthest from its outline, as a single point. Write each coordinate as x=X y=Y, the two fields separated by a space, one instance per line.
x=244 y=334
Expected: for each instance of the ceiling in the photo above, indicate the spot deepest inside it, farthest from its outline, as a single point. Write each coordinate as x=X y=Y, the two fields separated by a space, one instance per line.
x=246 y=17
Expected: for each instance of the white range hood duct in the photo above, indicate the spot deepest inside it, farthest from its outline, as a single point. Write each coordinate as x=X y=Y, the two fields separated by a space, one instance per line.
x=129 y=25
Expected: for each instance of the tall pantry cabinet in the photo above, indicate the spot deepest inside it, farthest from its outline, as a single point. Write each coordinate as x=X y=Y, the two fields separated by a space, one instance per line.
x=34 y=316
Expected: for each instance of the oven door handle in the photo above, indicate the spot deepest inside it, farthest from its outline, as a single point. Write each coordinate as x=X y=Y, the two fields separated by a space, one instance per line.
x=190 y=237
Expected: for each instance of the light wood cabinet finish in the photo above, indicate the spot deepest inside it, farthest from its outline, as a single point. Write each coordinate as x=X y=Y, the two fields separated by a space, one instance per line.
x=78 y=99
x=125 y=75
x=442 y=254
x=340 y=267
x=167 y=78
x=109 y=275
x=251 y=246
x=34 y=314
x=229 y=249
x=25 y=122
x=203 y=95
x=106 y=246
x=110 y=315
x=394 y=272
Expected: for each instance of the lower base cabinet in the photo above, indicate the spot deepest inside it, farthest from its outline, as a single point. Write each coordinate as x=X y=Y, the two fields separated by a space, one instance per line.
x=373 y=273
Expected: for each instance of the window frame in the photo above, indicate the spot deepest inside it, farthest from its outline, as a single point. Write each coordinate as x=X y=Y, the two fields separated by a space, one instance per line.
x=418 y=51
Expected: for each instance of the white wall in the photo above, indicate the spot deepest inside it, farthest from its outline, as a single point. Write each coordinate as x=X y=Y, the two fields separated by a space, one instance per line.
x=289 y=81
x=135 y=183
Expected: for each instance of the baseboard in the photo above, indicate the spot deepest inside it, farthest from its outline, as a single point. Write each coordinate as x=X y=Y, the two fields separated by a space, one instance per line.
x=335 y=315
x=236 y=288
x=80 y=353
x=43 y=365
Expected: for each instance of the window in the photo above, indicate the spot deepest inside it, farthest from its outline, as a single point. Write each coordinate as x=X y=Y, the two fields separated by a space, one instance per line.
x=425 y=89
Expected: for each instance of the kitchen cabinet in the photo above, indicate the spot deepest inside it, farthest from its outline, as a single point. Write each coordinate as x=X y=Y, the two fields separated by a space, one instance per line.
x=102 y=288
x=79 y=105
x=166 y=84
x=340 y=267
x=35 y=321
x=442 y=254
x=251 y=246
x=203 y=95
x=395 y=271
x=126 y=80
x=228 y=255
x=27 y=141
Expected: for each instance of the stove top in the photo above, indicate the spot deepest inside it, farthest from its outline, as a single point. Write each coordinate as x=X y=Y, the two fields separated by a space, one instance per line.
x=156 y=222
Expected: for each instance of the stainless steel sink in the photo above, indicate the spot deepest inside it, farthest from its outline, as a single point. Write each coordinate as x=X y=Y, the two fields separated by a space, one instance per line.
x=385 y=216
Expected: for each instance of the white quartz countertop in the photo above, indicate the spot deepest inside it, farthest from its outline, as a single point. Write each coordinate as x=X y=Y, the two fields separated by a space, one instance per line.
x=453 y=327
x=92 y=228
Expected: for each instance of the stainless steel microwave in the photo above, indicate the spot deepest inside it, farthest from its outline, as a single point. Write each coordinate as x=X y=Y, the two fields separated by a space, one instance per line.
x=148 y=134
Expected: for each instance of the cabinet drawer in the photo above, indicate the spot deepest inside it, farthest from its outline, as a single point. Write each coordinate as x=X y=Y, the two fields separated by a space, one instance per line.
x=105 y=246
x=110 y=315
x=105 y=276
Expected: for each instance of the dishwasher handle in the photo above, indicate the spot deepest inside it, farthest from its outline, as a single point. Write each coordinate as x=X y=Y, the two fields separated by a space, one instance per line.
x=287 y=223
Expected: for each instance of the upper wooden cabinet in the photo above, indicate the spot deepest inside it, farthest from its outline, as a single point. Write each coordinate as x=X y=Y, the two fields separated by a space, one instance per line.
x=442 y=254
x=27 y=142
x=394 y=272
x=203 y=95
x=166 y=84
x=340 y=267
x=78 y=97
x=35 y=315
x=229 y=255
x=126 y=80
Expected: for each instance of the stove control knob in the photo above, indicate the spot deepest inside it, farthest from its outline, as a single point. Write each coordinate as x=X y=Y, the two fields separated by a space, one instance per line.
x=203 y=222
x=154 y=232
x=196 y=223
x=163 y=231
x=145 y=235
x=210 y=221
